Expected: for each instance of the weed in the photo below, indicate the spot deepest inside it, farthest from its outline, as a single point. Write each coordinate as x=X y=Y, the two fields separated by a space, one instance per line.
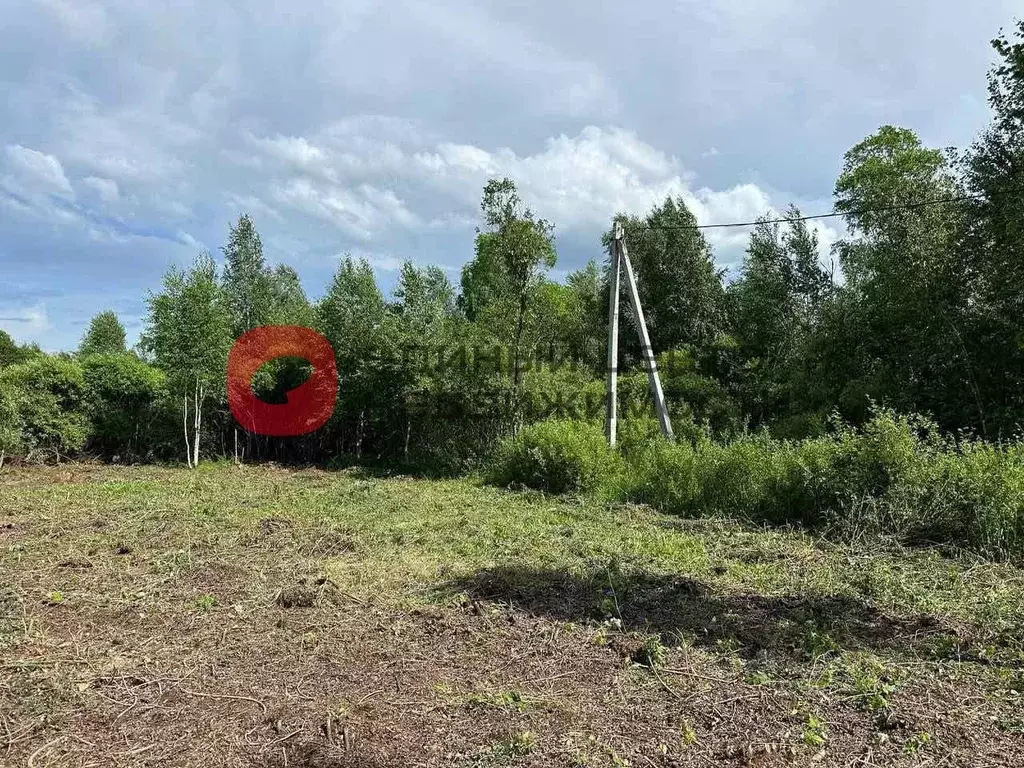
x=510 y=700
x=814 y=732
x=817 y=644
x=206 y=602
x=689 y=735
x=916 y=743
x=516 y=745
x=652 y=653
x=869 y=682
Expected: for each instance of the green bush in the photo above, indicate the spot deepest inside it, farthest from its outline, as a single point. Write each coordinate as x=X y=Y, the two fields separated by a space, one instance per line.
x=124 y=399
x=10 y=423
x=888 y=452
x=49 y=395
x=969 y=496
x=564 y=393
x=665 y=475
x=895 y=476
x=558 y=457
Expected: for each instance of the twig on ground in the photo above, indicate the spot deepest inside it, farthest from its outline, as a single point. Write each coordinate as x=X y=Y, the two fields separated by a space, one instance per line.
x=225 y=696
x=32 y=758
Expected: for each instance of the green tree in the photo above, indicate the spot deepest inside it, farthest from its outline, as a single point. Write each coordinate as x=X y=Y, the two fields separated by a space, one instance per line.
x=105 y=336
x=429 y=328
x=993 y=240
x=680 y=288
x=896 y=330
x=500 y=285
x=775 y=306
x=188 y=335
x=10 y=423
x=356 y=320
x=287 y=302
x=246 y=280
x=286 y=305
x=12 y=353
x=425 y=297
x=584 y=330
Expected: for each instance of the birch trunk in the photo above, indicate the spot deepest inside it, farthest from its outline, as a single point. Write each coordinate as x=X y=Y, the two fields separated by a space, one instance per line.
x=184 y=421
x=198 y=423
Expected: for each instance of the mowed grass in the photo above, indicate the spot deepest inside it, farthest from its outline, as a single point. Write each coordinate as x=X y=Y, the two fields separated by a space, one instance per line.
x=636 y=638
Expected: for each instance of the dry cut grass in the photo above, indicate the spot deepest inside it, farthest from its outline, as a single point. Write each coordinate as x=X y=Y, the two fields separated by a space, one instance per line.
x=264 y=617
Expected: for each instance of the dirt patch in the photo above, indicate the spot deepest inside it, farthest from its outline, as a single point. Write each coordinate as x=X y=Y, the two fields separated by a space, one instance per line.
x=296 y=596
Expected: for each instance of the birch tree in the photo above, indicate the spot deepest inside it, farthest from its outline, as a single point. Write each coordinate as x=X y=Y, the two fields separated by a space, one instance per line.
x=188 y=335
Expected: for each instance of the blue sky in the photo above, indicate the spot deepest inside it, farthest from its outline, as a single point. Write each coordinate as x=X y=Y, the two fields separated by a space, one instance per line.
x=132 y=133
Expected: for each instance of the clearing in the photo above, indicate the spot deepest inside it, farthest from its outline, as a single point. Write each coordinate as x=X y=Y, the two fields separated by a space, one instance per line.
x=266 y=617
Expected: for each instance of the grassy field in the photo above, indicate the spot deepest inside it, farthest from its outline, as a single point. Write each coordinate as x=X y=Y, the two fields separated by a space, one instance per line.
x=263 y=617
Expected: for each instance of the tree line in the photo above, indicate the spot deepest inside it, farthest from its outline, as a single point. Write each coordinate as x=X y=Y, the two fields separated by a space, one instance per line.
x=919 y=309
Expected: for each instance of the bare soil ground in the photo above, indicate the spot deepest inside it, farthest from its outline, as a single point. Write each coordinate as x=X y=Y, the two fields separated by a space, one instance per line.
x=263 y=617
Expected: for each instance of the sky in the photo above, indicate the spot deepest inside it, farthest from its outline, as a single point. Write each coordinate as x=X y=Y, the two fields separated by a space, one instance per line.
x=133 y=132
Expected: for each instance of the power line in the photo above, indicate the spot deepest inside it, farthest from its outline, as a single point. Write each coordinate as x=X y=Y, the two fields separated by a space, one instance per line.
x=833 y=214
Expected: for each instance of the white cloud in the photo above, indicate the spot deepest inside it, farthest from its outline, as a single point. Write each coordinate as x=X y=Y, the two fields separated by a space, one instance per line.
x=374 y=177
x=36 y=172
x=140 y=143
x=81 y=20
x=384 y=262
x=361 y=211
x=350 y=124
x=105 y=188
x=291 y=150
x=24 y=323
x=186 y=239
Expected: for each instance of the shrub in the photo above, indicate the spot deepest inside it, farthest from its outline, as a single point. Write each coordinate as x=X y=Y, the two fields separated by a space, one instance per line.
x=564 y=393
x=10 y=424
x=49 y=397
x=665 y=475
x=558 y=457
x=894 y=476
x=888 y=451
x=970 y=496
x=123 y=398
x=740 y=479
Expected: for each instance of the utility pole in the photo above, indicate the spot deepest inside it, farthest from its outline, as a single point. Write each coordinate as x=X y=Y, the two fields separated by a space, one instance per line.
x=620 y=257
x=611 y=423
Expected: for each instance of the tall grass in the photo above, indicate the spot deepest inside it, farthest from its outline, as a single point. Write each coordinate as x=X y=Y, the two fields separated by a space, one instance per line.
x=895 y=476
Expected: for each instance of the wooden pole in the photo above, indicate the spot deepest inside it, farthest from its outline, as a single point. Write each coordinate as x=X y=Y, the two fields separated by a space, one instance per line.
x=611 y=422
x=645 y=339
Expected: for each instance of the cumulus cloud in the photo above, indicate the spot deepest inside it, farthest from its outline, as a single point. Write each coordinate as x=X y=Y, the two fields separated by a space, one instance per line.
x=36 y=172
x=385 y=262
x=367 y=184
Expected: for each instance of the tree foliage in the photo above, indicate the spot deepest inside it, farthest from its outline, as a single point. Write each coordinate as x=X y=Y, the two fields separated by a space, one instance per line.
x=105 y=336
